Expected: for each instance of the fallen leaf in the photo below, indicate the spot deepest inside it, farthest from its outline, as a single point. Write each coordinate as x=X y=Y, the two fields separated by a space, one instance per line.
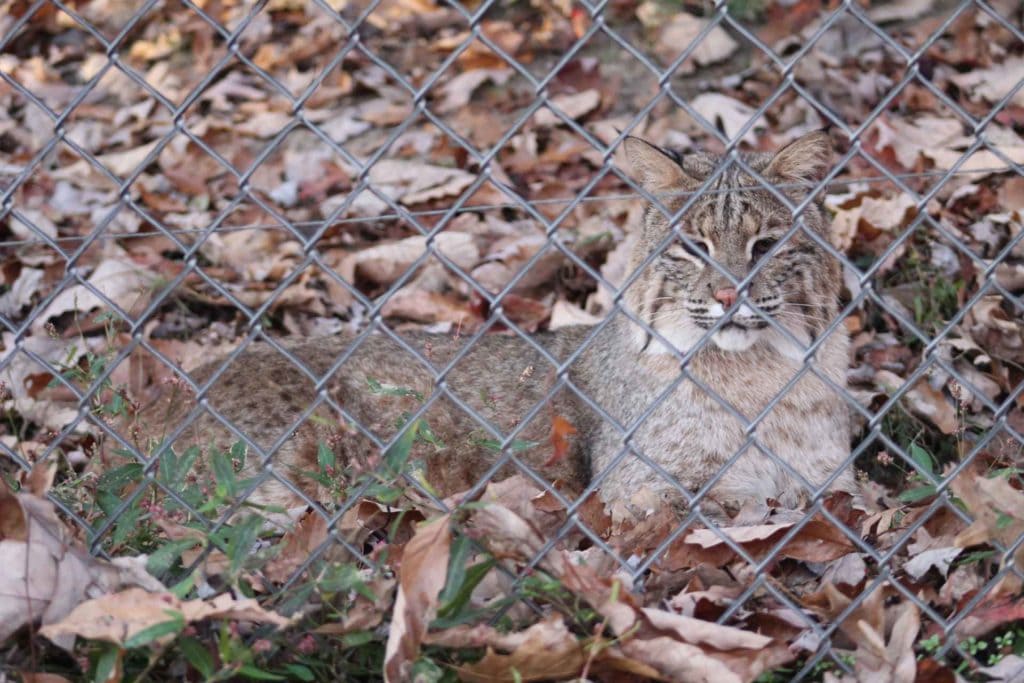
x=994 y=83
x=118 y=617
x=561 y=433
x=43 y=575
x=817 y=541
x=297 y=545
x=573 y=106
x=681 y=30
x=940 y=558
x=458 y=91
x=728 y=115
x=996 y=506
x=421 y=577
x=546 y=650
x=120 y=281
x=1009 y=669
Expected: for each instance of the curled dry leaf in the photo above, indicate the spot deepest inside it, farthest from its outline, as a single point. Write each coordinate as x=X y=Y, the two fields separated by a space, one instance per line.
x=364 y=614
x=728 y=114
x=997 y=508
x=296 y=546
x=117 y=617
x=420 y=578
x=924 y=400
x=940 y=558
x=1007 y=670
x=679 y=648
x=995 y=331
x=862 y=214
x=816 y=541
x=681 y=30
x=119 y=280
x=43 y=576
x=895 y=661
x=385 y=263
x=573 y=106
x=546 y=650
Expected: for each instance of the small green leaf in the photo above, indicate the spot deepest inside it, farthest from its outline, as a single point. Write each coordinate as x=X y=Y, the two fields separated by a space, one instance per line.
x=357 y=639
x=166 y=555
x=238 y=451
x=914 y=495
x=344 y=578
x=117 y=478
x=243 y=538
x=324 y=457
x=224 y=473
x=517 y=445
x=197 y=655
x=452 y=611
x=1003 y=520
x=391 y=390
x=923 y=458
x=106 y=663
x=127 y=523
x=300 y=672
x=457 y=557
x=398 y=455
x=174 y=625
x=250 y=671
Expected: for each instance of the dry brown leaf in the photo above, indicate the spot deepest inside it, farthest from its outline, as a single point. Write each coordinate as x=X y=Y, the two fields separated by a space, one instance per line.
x=412 y=182
x=923 y=400
x=119 y=280
x=29 y=677
x=363 y=614
x=940 y=558
x=817 y=541
x=384 y=263
x=867 y=214
x=728 y=114
x=681 y=30
x=421 y=577
x=899 y=10
x=43 y=576
x=998 y=333
x=1009 y=669
x=573 y=106
x=997 y=509
x=546 y=650
x=297 y=545
x=458 y=91
x=895 y=661
x=115 y=618
x=679 y=648
x=994 y=83
x=942 y=141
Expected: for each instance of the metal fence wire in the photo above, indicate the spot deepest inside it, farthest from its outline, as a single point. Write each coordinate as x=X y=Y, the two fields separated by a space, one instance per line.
x=76 y=188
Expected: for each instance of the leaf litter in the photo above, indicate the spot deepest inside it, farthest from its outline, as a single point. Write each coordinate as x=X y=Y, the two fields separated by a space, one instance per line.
x=468 y=590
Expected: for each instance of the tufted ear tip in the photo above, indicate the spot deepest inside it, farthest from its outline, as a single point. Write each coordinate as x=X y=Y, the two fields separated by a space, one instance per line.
x=652 y=166
x=807 y=158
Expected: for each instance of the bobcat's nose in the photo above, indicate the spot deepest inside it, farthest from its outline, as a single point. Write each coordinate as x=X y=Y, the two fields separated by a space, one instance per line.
x=726 y=296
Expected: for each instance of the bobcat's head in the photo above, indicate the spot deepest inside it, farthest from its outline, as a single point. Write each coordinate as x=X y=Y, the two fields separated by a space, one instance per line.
x=733 y=225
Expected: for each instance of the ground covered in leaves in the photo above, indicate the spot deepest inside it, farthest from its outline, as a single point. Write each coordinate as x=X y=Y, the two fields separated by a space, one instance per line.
x=255 y=120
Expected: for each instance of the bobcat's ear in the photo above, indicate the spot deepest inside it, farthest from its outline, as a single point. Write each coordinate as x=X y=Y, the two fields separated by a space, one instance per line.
x=807 y=158
x=653 y=167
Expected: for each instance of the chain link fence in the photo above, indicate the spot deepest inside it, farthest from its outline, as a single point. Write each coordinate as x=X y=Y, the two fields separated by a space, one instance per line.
x=152 y=187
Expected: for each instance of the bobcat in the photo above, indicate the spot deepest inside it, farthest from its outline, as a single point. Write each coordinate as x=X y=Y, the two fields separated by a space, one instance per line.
x=693 y=424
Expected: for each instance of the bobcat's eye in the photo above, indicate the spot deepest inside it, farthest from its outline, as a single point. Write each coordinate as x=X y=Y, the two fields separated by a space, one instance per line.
x=680 y=250
x=761 y=247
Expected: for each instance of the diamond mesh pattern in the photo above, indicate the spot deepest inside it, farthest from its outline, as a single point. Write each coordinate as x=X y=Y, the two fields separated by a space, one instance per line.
x=420 y=91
